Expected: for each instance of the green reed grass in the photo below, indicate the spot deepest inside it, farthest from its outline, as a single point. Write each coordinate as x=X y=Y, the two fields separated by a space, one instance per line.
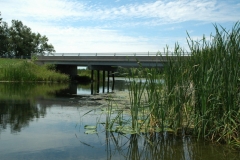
x=215 y=75
x=22 y=70
x=197 y=94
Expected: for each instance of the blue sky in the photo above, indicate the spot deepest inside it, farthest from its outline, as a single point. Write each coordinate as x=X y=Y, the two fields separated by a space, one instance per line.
x=83 y=26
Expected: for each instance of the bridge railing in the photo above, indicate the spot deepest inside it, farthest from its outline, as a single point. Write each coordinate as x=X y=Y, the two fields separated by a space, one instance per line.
x=116 y=54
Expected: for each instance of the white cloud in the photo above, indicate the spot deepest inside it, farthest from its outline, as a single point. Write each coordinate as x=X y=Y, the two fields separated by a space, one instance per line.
x=42 y=10
x=72 y=40
x=164 y=11
x=78 y=35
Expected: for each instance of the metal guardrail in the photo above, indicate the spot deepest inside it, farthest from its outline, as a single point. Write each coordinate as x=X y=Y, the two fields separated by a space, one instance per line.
x=128 y=54
x=117 y=54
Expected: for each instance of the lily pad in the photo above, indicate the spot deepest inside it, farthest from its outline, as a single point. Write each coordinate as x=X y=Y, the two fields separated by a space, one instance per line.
x=128 y=131
x=91 y=131
x=125 y=130
x=90 y=127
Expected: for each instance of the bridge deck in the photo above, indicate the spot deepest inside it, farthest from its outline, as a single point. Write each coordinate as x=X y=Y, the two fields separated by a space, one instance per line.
x=125 y=61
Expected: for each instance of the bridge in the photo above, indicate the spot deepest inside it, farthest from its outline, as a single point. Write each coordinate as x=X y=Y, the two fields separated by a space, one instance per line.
x=67 y=62
x=104 y=59
x=100 y=61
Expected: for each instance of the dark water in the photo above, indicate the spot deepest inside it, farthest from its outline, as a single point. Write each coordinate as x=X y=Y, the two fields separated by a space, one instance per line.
x=44 y=121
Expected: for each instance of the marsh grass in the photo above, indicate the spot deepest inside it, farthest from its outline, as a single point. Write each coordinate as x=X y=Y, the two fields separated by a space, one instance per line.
x=215 y=75
x=22 y=70
x=197 y=94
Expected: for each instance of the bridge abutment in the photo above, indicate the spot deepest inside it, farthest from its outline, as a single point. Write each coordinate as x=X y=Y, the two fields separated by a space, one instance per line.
x=70 y=70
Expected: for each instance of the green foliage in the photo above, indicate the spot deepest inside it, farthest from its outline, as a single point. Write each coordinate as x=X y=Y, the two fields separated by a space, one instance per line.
x=18 y=40
x=3 y=37
x=84 y=72
x=203 y=90
x=215 y=73
x=22 y=70
x=51 y=67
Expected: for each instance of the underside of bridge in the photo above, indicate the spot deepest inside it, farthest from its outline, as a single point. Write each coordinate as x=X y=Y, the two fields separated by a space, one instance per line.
x=71 y=70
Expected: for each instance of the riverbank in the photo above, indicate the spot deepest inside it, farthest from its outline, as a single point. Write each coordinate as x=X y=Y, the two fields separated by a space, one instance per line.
x=20 y=70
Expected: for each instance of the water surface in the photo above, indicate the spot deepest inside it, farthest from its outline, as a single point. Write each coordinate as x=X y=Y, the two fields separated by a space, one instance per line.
x=44 y=121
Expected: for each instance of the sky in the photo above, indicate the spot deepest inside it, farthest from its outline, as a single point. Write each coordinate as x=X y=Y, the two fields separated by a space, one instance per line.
x=114 y=26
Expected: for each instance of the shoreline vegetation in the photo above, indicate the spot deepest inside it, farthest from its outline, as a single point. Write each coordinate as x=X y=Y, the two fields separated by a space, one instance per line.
x=197 y=96
x=24 y=70
x=20 y=70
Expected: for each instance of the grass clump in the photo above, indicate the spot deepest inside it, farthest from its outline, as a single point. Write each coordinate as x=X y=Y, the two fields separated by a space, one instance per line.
x=22 y=70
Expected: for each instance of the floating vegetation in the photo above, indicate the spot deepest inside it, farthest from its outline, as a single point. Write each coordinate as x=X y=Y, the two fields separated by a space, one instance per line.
x=90 y=129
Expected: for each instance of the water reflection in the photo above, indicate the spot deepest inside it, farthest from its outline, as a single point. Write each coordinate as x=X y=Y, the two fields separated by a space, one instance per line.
x=17 y=102
x=119 y=85
x=43 y=121
x=164 y=147
x=29 y=91
x=18 y=114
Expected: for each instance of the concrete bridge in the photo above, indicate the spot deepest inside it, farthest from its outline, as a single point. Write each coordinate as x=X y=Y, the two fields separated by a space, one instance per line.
x=67 y=62
x=104 y=61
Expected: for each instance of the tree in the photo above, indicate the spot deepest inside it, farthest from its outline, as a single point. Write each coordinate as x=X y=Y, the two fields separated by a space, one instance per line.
x=3 y=37
x=41 y=46
x=25 y=43
x=19 y=40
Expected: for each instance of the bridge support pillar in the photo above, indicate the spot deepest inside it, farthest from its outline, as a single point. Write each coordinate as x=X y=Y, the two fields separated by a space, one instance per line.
x=110 y=72
x=92 y=73
x=113 y=77
x=98 y=80
x=103 y=81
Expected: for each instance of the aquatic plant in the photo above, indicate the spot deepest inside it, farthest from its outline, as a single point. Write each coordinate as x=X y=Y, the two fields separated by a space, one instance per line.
x=215 y=76
x=196 y=94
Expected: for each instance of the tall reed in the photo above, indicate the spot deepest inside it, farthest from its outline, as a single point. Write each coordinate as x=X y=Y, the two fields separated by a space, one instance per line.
x=197 y=93
x=215 y=75
x=203 y=89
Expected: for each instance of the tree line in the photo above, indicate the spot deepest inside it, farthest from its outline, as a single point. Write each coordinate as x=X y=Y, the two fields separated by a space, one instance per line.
x=18 y=40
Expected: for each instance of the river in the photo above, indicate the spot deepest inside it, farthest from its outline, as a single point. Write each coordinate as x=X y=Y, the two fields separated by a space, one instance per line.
x=45 y=121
